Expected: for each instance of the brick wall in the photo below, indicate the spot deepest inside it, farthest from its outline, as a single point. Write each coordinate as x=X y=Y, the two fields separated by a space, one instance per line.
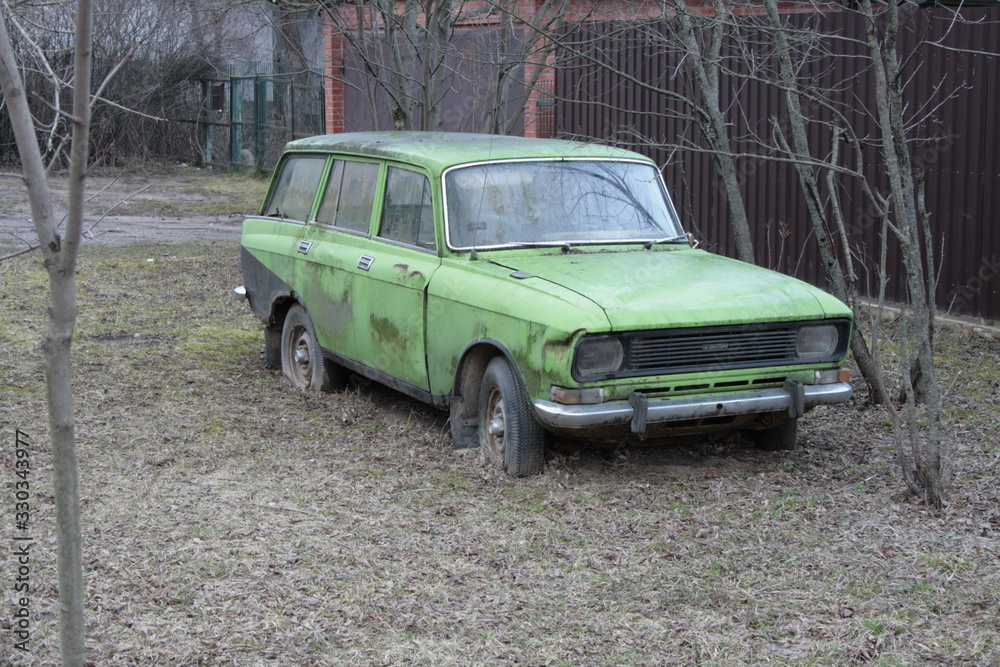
x=333 y=81
x=539 y=110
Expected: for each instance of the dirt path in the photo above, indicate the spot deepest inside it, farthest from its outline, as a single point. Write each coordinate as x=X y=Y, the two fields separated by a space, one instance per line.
x=132 y=210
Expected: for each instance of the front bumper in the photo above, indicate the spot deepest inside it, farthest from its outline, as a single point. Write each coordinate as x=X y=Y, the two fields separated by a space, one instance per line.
x=640 y=411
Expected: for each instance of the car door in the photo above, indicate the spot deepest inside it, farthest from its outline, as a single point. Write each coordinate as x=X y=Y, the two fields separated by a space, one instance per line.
x=269 y=240
x=329 y=248
x=390 y=290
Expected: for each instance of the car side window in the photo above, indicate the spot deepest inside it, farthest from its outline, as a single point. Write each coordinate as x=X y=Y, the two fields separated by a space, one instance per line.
x=407 y=213
x=356 y=197
x=331 y=196
x=295 y=188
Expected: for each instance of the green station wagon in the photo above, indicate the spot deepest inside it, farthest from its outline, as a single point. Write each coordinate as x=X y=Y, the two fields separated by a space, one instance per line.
x=529 y=286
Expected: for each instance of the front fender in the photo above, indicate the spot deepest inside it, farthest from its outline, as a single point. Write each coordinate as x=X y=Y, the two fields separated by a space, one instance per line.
x=532 y=322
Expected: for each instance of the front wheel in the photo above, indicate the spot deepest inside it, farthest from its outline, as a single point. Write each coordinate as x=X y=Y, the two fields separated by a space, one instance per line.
x=302 y=359
x=509 y=434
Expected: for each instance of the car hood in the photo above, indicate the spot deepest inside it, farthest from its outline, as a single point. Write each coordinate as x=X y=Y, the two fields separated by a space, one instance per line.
x=664 y=288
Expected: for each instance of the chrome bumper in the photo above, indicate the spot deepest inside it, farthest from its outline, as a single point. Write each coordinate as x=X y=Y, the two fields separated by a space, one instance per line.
x=794 y=398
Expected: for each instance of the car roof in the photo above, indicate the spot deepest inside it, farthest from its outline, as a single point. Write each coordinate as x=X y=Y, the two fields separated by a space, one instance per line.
x=439 y=150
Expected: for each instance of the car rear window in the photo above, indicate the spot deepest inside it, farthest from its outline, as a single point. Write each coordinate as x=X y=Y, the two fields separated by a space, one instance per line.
x=295 y=188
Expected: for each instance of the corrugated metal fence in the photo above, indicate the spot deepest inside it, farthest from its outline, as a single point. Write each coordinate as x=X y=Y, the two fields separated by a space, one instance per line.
x=959 y=153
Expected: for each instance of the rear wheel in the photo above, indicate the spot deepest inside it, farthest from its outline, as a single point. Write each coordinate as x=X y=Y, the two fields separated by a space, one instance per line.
x=509 y=434
x=302 y=359
x=777 y=438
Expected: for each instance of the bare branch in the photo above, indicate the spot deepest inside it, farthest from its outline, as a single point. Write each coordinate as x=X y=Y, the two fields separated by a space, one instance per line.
x=110 y=75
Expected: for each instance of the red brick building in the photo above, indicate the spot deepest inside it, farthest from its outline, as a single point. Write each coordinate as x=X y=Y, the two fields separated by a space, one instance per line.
x=476 y=15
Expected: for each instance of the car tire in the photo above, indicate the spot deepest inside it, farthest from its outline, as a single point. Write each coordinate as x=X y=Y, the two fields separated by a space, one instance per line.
x=777 y=438
x=302 y=360
x=509 y=434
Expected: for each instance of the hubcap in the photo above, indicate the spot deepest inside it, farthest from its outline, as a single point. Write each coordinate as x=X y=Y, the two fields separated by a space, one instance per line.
x=301 y=358
x=495 y=428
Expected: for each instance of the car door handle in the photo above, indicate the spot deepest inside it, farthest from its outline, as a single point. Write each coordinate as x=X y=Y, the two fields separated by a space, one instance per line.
x=365 y=262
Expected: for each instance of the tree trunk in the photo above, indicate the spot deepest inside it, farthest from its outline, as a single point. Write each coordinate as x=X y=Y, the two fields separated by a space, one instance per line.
x=922 y=468
x=810 y=188
x=60 y=261
x=713 y=124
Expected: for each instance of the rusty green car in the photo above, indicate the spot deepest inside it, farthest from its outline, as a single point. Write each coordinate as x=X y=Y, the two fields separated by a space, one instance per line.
x=529 y=286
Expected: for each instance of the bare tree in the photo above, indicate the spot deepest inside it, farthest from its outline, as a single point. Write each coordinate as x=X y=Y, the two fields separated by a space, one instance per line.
x=824 y=209
x=411 y=55
x=706 y=70
x=151 y=105
x=792 y=58
x=697 y=38
x=60 y=253
x=918 y=446
x=685 y=30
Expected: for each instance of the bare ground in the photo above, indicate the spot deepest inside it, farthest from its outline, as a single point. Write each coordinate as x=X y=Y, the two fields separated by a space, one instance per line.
x=128 y=209
x=231 y=521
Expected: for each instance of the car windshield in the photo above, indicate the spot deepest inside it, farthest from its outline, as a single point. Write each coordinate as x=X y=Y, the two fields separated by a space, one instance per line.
x=557 y=203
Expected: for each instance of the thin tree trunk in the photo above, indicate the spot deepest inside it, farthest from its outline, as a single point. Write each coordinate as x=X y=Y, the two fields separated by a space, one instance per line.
x=810 y=187
x=713 y=124
x=60 y=260
x=433 y=71
x=923 y=471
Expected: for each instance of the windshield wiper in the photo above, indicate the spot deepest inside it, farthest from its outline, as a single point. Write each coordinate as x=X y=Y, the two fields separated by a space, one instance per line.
x=670 y=239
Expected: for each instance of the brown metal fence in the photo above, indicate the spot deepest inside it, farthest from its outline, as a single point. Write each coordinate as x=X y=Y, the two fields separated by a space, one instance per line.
x=959 y=154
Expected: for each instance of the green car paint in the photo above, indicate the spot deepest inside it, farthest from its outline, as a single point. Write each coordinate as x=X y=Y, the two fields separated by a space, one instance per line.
x=569 y=295
x=673 y=287
x=411 y=315
x=438 y=151
x=526 y=316
x=389 y=316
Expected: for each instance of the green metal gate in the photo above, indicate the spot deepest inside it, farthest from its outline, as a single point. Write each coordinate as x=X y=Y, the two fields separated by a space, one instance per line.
x=253 y=109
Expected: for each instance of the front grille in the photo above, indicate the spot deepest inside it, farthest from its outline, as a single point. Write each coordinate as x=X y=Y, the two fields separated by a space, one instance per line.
x=721 y=348
x=672 y=352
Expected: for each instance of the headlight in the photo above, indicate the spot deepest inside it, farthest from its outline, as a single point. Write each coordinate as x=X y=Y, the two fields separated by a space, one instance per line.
x=599 y=356
x=817 y=341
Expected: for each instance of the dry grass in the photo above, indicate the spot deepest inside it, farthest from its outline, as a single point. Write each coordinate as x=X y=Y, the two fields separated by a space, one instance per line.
x=177 y=194
x=230 y=521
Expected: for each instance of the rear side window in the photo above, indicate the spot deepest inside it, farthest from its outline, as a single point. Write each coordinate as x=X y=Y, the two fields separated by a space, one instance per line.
x=331 y=197
x=407 y=215
x=295 y=188
x=350 y=195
